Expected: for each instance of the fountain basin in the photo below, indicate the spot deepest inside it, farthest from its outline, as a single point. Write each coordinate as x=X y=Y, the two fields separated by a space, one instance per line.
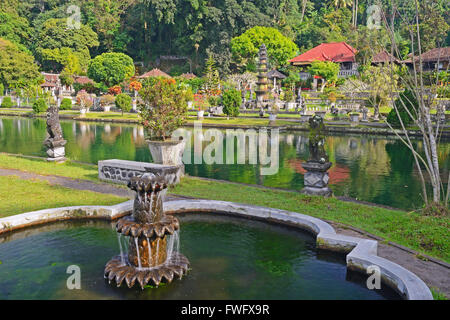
x=360 y=252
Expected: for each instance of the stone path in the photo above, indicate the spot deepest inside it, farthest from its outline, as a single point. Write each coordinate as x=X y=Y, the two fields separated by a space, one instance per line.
x=434 y=273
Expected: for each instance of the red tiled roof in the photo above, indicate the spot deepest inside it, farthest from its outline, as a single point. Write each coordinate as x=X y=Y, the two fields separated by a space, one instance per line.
x=51 y=79
x=154 y=73
x=334 y=51
x=82 y=80
x=384 y=56
x=188 y=76
x=441 y=54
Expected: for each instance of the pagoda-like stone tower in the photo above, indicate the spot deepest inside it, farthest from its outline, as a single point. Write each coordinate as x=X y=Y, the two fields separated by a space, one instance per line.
x=263 y=83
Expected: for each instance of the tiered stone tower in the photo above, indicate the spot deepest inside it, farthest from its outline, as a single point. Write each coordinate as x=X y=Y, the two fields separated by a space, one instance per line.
x=263 y=83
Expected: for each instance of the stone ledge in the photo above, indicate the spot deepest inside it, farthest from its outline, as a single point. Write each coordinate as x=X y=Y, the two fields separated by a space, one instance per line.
x=120 y=171
x=361 y=253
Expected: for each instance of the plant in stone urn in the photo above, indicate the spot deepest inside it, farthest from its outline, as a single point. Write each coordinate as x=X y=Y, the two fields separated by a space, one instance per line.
x=85 y=101
x=164 y=109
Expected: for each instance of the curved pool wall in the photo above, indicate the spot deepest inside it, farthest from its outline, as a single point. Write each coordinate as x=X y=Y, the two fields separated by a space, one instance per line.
x=361 y=253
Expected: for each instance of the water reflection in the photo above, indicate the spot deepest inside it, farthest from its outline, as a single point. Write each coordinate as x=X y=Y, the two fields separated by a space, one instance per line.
x=370 y=168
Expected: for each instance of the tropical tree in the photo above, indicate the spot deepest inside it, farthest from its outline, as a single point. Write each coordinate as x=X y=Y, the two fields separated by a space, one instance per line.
x=17 y=68
x=327 y=70
x=280 y=49
x=111 y=68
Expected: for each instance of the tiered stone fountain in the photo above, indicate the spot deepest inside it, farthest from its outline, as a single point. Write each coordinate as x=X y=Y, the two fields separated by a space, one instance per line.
x=152 y=258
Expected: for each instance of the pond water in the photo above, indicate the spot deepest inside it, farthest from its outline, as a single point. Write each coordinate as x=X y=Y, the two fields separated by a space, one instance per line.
x=370 y=168
x=231 y=258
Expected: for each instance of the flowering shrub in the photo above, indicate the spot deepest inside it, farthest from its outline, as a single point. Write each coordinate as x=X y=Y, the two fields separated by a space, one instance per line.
x=201 y=102
x=115 y=90
x=107 y=100
x=164 y=109
x=135 y=85
x=84 y=99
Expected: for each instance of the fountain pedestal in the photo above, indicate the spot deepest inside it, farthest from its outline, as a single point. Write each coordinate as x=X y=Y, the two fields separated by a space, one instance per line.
x=152 y=258
x=316 y=179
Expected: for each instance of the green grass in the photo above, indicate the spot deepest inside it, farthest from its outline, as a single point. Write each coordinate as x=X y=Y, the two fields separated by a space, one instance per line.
x=437 y=294
x=20 y=196
x=428 y=235
x=67 y=169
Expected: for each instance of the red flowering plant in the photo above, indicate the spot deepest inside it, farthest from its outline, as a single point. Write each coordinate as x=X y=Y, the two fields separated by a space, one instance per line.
x=201 y=102
x=115 y=90
x=164 y=107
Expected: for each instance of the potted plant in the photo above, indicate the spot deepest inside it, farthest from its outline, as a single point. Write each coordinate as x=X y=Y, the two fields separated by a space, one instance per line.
x=85 y=101
x=164 y=109
x=289 y=99
x=106 y=101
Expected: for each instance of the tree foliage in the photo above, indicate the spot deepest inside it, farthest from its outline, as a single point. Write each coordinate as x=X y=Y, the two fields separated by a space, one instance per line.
x=111 y=68
x=280 y=49
x=17 y=68
x=232 y=100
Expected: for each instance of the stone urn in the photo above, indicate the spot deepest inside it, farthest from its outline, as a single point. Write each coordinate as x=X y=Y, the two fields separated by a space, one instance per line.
x=83 y=111
x=317 y=178
x=354 y=118
x=107 y=108
x=169 y=152
x=200 y=114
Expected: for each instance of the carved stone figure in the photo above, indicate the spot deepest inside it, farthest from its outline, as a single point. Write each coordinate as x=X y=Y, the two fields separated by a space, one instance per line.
x=316 y=177
x=317 y=140
x=54 y=142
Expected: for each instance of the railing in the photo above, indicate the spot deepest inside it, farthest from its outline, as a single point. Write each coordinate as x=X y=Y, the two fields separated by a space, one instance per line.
x=347 y=73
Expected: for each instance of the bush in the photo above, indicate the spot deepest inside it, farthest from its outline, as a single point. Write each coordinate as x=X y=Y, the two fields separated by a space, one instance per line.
x=231 y=102
x=107 y=100
x=288 y=95
x=164 y=109
x=40 y=106
x=214 y=101
x=66 y=104
x=2 y=89
x=123 y=102
x=407 y=99
x=7 y=102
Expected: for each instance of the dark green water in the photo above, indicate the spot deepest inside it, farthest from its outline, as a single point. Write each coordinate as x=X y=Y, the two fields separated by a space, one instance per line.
x=369 y=168
x=230 y=258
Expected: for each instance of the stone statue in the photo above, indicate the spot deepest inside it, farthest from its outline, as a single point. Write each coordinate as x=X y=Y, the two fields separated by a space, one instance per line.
x=317 y=140
x=54 y=141
x=316 y=177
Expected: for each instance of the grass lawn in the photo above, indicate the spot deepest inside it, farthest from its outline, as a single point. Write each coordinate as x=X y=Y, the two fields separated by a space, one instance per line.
x=20 y=196
x=428 y=235
x=67 y=169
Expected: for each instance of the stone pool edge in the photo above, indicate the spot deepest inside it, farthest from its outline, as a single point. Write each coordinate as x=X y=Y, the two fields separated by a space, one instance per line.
x=361 y=253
